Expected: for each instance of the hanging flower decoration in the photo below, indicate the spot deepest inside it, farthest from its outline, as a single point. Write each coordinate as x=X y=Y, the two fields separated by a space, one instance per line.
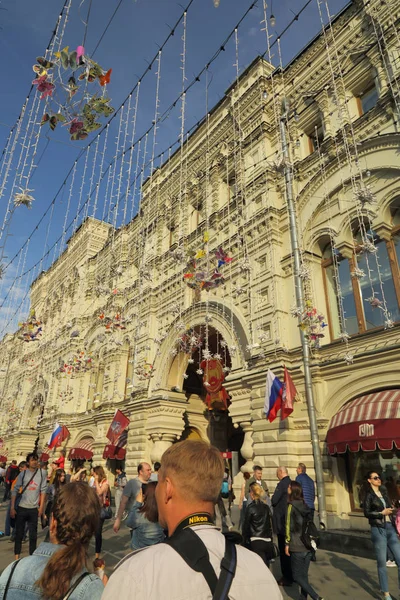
x=80 y=362
x=364 y=195
x=23 y=198
x=145 y=371
x=312 y=322
x=203 y=271
x=115 y=323
x=65 y=82
x=374 y=302
x=189 y=341
x=31 y=329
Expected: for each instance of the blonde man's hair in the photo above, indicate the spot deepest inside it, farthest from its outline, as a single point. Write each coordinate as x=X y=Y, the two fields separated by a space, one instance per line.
x=203 y=461
x=258 y=492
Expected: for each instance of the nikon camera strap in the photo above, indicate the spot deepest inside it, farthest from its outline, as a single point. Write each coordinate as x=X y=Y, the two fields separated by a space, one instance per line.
x=194 y=552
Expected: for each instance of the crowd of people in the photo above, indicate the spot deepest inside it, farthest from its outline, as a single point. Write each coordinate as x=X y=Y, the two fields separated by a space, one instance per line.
x=176 y=524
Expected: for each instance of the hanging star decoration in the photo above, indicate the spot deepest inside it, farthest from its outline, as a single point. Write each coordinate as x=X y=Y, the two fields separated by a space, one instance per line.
x=200 y=273
x=65 y=82
x=31 y=329
x=189 y=341
x=23 y=198
x=313 y=323
x=374 y=302
x=364 y=195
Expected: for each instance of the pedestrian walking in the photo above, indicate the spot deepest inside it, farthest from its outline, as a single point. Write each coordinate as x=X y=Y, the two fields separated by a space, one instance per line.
x=102 y=489
x=257 y=526
x=58 y=481
x=223 y=506
x=60 y=567
x=143 y=519
x=9 y=528
x=297 y=513
x=154 y=475
x=131 y=491
x=307 y=485
x=27 y=502
x=10 y=476
x=243 y=499
x=119 y=484
x=185 y=508
x=279 y=502
x=381 y=517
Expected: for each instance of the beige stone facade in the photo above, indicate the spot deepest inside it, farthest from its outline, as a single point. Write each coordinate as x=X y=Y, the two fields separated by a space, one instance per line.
x=227 y=180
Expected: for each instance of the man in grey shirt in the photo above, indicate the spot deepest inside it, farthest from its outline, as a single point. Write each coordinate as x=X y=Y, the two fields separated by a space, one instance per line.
x=131 y=490
x=32 y=484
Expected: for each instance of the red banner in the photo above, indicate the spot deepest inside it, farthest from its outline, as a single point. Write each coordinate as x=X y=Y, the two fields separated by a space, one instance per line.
x=213 y=378
x=119 y=423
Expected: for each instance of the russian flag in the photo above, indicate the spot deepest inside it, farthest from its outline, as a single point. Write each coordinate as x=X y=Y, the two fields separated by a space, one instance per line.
x=273 y=396
x=55 y=440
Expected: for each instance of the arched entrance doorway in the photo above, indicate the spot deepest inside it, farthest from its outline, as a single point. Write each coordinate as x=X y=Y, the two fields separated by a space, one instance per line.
x=221 y=431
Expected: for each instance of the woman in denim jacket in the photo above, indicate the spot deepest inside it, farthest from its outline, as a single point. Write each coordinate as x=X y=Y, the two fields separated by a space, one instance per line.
x=143 y=519
x=55 y=568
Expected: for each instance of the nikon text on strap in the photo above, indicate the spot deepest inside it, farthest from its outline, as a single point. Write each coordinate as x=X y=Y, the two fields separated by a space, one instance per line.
x=194 y=552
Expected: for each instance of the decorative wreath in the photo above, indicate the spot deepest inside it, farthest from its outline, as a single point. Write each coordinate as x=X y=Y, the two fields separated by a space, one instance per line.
x=200 y=273
x=65 y=82
x=31 y=329
x=113 y=323
x=313 y=324
x=78 y=363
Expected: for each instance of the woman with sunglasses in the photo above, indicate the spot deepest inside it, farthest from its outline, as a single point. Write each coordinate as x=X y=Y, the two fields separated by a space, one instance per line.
x=381 y=517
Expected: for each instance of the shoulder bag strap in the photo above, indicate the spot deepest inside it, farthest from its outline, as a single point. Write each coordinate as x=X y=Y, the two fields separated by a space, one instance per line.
x=75 y=585
x=194 y=552
x=228 y=570
x=9 y=578
x=23 y=489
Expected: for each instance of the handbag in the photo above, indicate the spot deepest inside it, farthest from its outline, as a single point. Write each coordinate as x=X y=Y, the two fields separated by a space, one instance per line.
x=106 y=510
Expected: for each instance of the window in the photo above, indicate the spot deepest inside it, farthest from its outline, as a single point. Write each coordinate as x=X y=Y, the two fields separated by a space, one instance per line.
x=359 y=463
x=316 y=136
x=381 y=280
x=368 y=99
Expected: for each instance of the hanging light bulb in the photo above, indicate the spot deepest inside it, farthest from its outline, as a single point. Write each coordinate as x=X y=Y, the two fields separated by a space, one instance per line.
x=272 y=20
x=216 y=3
x=265 y=94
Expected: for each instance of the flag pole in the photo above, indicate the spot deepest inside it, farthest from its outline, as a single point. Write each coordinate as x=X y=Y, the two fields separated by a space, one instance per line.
x=286 y=112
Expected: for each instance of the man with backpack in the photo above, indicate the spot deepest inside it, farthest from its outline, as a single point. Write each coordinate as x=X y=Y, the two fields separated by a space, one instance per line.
x=11 y=475
x=27 y=502
x=197 y=560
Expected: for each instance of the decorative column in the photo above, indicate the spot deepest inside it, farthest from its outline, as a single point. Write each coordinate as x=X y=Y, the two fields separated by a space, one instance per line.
x=239 y=411
x=247 y=447
x=165 y=422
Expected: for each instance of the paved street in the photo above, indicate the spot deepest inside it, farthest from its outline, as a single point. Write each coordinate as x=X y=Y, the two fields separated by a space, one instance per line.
x=334 y=575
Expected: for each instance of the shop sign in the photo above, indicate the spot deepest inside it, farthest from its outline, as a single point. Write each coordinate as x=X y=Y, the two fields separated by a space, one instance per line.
x=366 y=430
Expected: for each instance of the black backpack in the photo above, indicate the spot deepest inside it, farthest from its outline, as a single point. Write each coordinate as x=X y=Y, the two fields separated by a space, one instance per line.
x=310 y=536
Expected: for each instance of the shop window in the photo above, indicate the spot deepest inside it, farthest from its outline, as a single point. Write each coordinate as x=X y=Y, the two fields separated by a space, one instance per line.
x=368 y=99
x=381 y=273
x=387 y=464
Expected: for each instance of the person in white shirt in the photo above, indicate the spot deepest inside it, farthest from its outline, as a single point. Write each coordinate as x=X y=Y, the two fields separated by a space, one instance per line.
x=159 y=571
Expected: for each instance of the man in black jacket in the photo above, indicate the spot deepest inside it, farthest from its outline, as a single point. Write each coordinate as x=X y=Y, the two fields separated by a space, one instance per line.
x=279 y=502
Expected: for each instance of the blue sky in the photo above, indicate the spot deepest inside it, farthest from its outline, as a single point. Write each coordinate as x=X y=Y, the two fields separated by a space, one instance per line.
x=131 y=40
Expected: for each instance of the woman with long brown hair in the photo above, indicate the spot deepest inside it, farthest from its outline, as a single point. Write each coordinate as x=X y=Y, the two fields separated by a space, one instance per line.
x=102 y=489
x=143 y=518
x=58 y=567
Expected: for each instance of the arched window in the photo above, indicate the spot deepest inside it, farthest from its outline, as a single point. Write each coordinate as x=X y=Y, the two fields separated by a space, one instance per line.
x=381 y=272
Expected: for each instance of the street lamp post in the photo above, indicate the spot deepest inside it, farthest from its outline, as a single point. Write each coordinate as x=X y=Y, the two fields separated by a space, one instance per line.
x=300 y=303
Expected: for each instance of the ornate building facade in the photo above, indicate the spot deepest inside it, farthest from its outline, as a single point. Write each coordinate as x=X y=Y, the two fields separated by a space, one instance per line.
x=115 y=306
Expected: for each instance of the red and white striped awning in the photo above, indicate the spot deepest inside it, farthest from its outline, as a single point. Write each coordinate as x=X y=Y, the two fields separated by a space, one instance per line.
x=366 y=423
x=82 y=450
